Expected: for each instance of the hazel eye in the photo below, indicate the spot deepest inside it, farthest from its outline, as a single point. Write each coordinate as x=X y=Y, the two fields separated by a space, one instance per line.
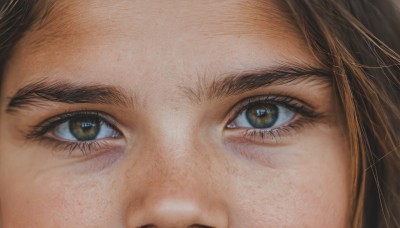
x=87 y=128
x=262 y=116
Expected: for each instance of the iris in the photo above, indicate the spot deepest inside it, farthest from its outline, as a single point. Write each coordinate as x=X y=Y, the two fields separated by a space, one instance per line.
x=262 y=115
x=85 y=128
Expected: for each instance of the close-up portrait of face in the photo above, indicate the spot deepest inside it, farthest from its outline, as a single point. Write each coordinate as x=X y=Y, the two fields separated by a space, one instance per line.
x=206 y=113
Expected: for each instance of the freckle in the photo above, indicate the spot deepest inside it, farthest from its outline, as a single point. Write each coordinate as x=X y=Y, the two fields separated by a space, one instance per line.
x=28 y=202
x=175 y=108
x=55 y=201
x=118 y=58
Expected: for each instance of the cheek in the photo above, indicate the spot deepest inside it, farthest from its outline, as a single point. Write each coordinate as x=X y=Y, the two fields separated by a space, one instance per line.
x=54 y=200
x=294 y=203
x=307 y=187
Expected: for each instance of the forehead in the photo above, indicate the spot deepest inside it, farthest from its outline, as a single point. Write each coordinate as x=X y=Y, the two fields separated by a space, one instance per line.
x=72 y=21
x=175 y=42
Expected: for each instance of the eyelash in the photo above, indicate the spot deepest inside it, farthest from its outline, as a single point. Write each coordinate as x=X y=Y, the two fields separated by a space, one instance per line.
x=85 y=147
x=307 y=116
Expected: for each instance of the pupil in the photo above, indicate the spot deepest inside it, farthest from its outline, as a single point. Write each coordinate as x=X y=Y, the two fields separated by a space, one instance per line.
x=262 y=116
x=84 y=129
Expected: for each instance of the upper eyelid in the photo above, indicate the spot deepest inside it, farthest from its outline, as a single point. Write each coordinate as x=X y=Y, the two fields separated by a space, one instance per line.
x=232 y=84
x=277 y=99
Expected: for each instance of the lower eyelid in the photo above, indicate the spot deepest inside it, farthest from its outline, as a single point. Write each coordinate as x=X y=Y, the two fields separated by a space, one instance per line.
x=259 y=136
x=274 y=136
x=78 y=149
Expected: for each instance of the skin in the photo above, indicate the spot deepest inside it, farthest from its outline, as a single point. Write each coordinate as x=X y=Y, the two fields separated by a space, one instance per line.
x=176 y=163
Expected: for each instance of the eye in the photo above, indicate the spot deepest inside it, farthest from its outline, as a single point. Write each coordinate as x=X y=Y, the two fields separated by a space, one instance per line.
x=269 y=119
x=85 y=131
x=86 y=128
x=262 y=116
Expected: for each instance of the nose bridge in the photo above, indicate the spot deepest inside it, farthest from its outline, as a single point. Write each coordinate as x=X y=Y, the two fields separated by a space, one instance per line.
x=177 y=167
x=178 y=189
x=177 y=153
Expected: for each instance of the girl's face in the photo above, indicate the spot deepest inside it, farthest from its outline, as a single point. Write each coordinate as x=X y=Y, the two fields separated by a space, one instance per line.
x=169 y=114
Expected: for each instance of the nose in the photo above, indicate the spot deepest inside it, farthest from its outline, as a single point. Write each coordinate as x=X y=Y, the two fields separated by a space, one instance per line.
x=178 y=193
x=177 y=212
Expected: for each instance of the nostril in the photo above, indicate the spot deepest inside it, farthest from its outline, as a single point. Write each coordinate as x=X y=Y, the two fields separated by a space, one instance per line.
x=200 y=226
x=191 y=226
x=167 y=210
x=147 y=226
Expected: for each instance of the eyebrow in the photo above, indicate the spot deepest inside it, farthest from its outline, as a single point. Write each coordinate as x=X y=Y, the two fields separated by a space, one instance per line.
x=35 y=94
x=251 y=80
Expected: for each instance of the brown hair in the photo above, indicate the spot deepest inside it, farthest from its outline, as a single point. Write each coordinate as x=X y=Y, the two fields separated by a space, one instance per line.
x=359 y=40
